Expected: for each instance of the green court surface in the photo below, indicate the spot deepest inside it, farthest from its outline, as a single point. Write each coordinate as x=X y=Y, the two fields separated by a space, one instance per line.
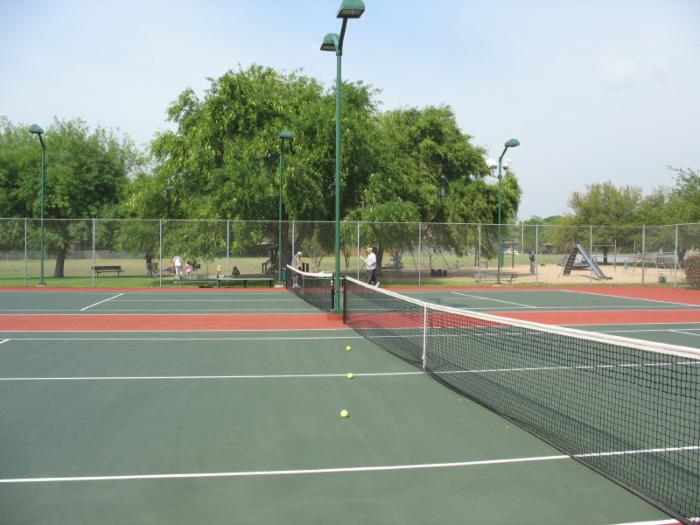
x=545 y=300
x=243 y=427
x=150 y=302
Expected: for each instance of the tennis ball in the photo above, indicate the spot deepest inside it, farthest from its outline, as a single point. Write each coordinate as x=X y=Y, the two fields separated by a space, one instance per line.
x=350 y=375
x=348 y=348
x=344 y=413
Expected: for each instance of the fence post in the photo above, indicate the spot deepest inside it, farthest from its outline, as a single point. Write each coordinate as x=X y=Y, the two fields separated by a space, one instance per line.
x=160 y=253
x=644 y=252
x=478 y=257
x=228 y=247
x=357 y=264
x=420 y=250
x=537 y=252
x=590 y=253
x=26 y=277
x=94 y=228
x=294 y=236
x=676 y=263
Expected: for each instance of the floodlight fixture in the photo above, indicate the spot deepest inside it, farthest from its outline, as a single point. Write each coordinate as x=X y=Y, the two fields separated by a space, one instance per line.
x=351 y=9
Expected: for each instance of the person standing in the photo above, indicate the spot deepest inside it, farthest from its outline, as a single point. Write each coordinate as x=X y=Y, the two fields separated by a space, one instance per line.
x=177 y=263
x=371 y=262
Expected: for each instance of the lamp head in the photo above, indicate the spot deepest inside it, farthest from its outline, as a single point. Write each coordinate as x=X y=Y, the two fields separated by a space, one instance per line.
x=512 y=143
x=286 y=135
x=330 y=42
x=351 y=9
x=36 y=129
x=506 y=164
x=491 y=163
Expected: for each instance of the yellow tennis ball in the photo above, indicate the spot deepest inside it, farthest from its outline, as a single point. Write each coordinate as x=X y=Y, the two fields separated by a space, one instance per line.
x=348 y=348
x=350 y=375
x=344 y=413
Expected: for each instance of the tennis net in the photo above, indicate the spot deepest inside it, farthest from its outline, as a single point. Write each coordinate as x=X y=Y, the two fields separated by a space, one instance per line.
x=314 y=288
x=626 y=408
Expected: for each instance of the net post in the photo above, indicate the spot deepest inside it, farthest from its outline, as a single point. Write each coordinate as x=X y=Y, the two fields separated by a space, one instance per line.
x=26 y=280
x=425 y=331
x=345 y=300
x=333 y=287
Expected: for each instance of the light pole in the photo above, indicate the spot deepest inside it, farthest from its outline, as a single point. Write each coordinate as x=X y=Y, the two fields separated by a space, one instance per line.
x=512 y=143
x=285 y=137
x=333 y=42
x=37 y=130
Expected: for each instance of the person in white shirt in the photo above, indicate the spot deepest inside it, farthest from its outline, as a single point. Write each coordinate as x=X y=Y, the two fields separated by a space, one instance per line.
x=177 y=263
x=371 y=262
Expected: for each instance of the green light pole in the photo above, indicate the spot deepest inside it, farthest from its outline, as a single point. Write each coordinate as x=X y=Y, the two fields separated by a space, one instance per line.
x=512 y=143
x=333 y=42
x=37 y=130
x=285 y=137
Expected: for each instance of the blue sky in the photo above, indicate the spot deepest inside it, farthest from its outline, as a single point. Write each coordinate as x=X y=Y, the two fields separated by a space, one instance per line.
x=595 y=90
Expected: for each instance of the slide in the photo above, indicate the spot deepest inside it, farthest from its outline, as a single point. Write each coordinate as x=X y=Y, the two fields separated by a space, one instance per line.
x=594 y=265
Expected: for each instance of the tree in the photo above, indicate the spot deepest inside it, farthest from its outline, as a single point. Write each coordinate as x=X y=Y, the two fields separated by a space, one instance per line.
x=611 y=209
x=86 y=175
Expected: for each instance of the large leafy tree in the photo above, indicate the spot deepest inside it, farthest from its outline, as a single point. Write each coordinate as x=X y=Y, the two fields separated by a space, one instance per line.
x=222 y=159
x=429 y=171
x=86 y=175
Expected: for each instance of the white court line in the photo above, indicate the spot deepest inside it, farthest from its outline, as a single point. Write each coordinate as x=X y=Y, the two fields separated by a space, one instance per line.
x=103 y=301
x=286 y=330
x=164 y=300
x=4 y=341
x=684 y=332
x=579 y=308
x=662 y=522
x=189 y=339
x=639 y=330
x=338 y=470
x=343 y=375
x=167 y=378
x=494 y=300
x=156 y=311
x=629 y=298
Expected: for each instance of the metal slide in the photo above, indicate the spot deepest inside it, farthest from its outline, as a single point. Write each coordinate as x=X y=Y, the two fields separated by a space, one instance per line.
x=597 y=272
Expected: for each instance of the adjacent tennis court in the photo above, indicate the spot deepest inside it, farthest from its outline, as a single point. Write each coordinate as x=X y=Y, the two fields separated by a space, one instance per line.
x=200 y=423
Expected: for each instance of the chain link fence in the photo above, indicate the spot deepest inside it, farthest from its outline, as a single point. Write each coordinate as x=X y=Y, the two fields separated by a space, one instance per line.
x=124 y=252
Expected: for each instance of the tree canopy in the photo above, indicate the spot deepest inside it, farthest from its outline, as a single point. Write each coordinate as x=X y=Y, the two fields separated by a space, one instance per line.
x=86 y=176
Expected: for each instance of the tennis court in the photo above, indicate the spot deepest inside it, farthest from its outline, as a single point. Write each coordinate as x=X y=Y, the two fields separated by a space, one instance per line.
x=211 y=407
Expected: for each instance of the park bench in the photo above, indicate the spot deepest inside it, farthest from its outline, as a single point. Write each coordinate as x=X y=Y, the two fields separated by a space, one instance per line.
x=221 y=282
x=103 y=269
x=493 y=276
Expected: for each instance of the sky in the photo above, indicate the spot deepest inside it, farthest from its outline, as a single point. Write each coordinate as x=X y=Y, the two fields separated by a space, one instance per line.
x=595 y=91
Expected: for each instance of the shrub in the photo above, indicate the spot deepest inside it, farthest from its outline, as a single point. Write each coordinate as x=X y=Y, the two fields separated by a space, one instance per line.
x=692 y=270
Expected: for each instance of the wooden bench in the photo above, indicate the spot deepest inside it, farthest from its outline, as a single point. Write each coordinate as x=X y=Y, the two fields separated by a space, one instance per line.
x=103 y=269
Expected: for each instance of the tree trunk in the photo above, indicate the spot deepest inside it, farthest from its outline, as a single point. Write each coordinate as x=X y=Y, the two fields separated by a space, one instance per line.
x=605 y=254
x=60 y=263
